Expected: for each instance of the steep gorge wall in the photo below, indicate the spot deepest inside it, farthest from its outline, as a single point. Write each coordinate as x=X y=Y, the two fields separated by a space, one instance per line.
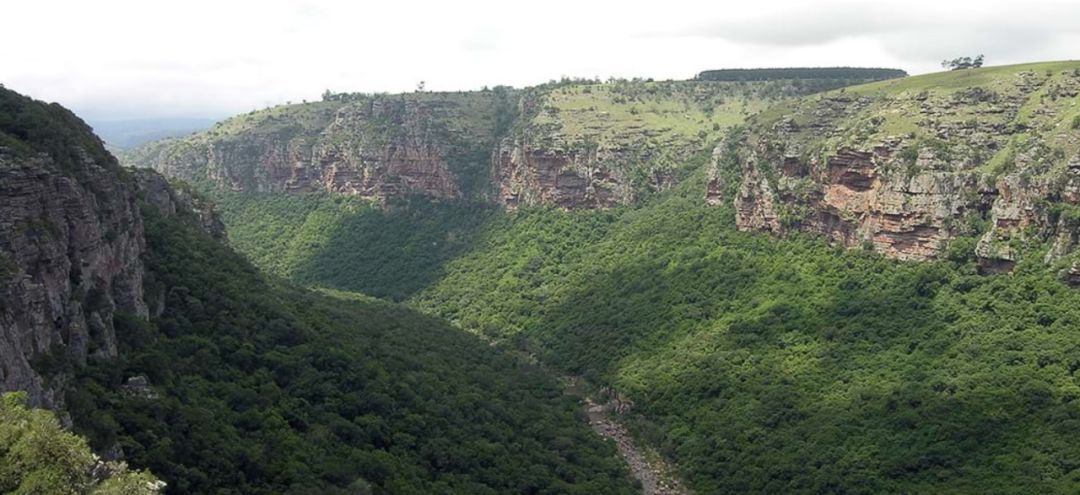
x=527 y=174
x=595 y=145
x=905 y=172
x=71 y=251
x=577 y=144
x=374 y=147
x=71 y=246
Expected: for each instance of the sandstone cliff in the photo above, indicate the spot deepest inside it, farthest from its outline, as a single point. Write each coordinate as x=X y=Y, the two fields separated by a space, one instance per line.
x=71 y=241
x=904 y=167
x=572 y=144
x=379 y=147
x=592 y=145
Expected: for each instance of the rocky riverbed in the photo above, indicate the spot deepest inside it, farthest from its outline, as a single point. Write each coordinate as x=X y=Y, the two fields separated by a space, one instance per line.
x=648 y=467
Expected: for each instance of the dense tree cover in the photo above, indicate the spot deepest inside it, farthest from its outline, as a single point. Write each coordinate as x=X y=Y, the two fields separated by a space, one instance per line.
x=38 y=457
x=347 y=243
x=30 y=126
x=780 y=366
x=257 y=387
x=856 y=74
x=769 y=365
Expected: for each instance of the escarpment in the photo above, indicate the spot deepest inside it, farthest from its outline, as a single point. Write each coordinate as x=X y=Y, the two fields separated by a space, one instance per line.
x=602 y=145
x=378 y=147
x=548 y=145
x=905 y=167
x=850 y=199
x=71 y=242
x=571 y=144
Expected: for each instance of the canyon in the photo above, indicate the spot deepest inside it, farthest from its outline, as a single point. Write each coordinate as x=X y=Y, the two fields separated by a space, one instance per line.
x=612 y=230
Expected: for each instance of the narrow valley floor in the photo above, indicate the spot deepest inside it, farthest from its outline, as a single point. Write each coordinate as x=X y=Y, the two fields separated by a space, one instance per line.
x=656 y=476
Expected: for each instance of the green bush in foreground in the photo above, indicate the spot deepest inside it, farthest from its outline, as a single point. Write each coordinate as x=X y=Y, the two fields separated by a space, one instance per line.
x=38 y=457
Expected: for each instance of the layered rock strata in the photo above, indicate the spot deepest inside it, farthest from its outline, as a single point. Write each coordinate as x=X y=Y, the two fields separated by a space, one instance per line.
x=1001 y=163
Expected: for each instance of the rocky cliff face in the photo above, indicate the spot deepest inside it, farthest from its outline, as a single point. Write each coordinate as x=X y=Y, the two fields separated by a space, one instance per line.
x=71 y=241
x=177 y=200
x=376 y=147
x=571 y=145
x=602 y=145
x=849 y=199
x=569 y=179
x=71 y=250
x=905 y=167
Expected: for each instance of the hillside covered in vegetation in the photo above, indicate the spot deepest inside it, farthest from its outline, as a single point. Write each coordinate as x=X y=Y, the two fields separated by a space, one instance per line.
x=38 y=456
x=785 y=363
x=572 y=144
x=262 y=388
x=121 y=307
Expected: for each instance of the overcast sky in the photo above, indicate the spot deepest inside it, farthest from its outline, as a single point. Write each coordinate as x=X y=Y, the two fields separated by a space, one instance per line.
x=194 y=58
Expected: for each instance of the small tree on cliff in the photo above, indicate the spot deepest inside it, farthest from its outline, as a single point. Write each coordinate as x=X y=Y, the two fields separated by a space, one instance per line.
x=963 y=63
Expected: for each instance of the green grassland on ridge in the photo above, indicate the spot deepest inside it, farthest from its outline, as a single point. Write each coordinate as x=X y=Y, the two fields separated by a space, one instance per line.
x=977 y=118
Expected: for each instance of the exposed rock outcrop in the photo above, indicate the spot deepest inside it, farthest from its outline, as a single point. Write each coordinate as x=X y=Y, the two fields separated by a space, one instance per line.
x=849 y=200
x=378 y=147
x=974 y=162
x=177 y=200
x=1015 y=209
x=603 y=145
x=566 y=179
x=755 y=207
x=581 y=144
x=71 y=245
x=71 y=248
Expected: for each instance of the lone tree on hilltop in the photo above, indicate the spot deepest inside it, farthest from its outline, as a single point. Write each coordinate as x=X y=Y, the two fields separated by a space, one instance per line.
x=963 y=63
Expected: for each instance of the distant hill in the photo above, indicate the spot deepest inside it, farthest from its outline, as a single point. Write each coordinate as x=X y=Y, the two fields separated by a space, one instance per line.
x=134 y=132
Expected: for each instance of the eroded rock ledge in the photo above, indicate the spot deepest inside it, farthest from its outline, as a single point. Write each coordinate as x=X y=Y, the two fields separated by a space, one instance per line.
x=376 y=148
x=71 y=246
x=1001 y=165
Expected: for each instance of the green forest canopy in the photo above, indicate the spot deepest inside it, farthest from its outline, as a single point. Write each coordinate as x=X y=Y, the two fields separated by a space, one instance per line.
x=260 y=387
x=760 y=364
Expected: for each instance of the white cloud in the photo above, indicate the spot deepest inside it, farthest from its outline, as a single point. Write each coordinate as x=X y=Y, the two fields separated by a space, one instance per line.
x=133 y=58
